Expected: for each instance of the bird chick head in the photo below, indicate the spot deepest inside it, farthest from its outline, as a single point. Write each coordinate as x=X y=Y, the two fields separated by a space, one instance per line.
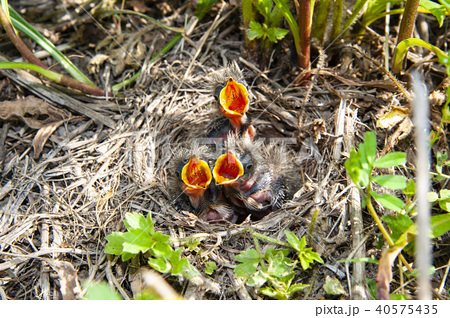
x=228 y=169
x=196 y=176
x=234 y=102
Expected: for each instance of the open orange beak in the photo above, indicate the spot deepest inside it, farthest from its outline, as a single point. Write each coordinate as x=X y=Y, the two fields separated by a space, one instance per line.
x=227 y=169
x=234 y=102
x=196 y=177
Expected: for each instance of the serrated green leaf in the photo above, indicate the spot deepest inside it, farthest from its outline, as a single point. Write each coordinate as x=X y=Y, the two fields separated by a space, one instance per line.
x=399 y=223
x=391 y=159
x=280 y=33
x=392 y=182
x=115 y=243
x=388 y=201
x=137 y=241
x=250 y=260
x=440 y=224
x=256 y=31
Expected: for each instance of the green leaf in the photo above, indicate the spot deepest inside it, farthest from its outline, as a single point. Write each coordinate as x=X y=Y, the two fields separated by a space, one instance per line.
x=250 y=260
x=115 y=243
x=432 y=196
x=210 y=267
x=388 y=201
x=392 y=182
x=437 y=10
x=370 y=141
x=391 y=159
x=256 y=31
x=293 y=240
x=137 y=241
x=333 y=286
x=440 y=224
x=274 y=34
x=444 y=199
x=160 y=264
x=203 y=7
x=399 y=223
x=138 y=221
x=398 y=297
x=410 y=189
x=100 y=291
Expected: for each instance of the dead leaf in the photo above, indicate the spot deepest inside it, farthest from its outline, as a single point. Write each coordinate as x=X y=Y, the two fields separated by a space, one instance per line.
x=392 y=118
x=139 y=6
x=68 y=278
x=35 y=112
x=384 y=275
x=96 y=62
x=42 y=136
x=403 y=131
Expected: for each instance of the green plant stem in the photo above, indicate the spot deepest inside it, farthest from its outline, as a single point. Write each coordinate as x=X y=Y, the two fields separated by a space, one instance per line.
x=57 y=78
x=292 y=24
x=320 y=20
x=408 y=20
x=337 y=19
x=17 y=41
x=269 y=239
x=383 y=229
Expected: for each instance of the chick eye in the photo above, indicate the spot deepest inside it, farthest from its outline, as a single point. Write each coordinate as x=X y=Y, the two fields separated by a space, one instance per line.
x=248 y=166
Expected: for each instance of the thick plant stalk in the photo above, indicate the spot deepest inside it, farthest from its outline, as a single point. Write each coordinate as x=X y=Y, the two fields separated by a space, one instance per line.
x=305 y=22
x=337 y=19
x=407 y=24
x=320 y=20
x=408 y=20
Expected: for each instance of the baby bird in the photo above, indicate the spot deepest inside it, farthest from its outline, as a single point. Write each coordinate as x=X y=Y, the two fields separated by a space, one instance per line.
x=253 y=176
x=194 y=179
x=230 y=90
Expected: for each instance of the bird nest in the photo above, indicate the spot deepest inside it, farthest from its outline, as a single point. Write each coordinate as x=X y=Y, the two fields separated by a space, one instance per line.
x=57 y=209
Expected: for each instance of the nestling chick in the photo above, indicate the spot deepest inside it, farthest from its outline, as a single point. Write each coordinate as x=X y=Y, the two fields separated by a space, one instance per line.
x=194 y=179
x=253 y=176
x=230 y=90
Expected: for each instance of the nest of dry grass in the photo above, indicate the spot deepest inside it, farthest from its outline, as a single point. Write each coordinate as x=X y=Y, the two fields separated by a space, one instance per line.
x=56 y=210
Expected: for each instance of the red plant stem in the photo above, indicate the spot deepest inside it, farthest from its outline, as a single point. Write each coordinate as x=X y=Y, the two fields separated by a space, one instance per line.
x=408 y=20
x=17 y=41
x=85 y=88
x=304 y=23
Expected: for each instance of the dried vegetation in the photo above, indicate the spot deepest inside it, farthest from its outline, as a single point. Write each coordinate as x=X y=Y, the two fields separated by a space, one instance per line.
x=73 y=166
